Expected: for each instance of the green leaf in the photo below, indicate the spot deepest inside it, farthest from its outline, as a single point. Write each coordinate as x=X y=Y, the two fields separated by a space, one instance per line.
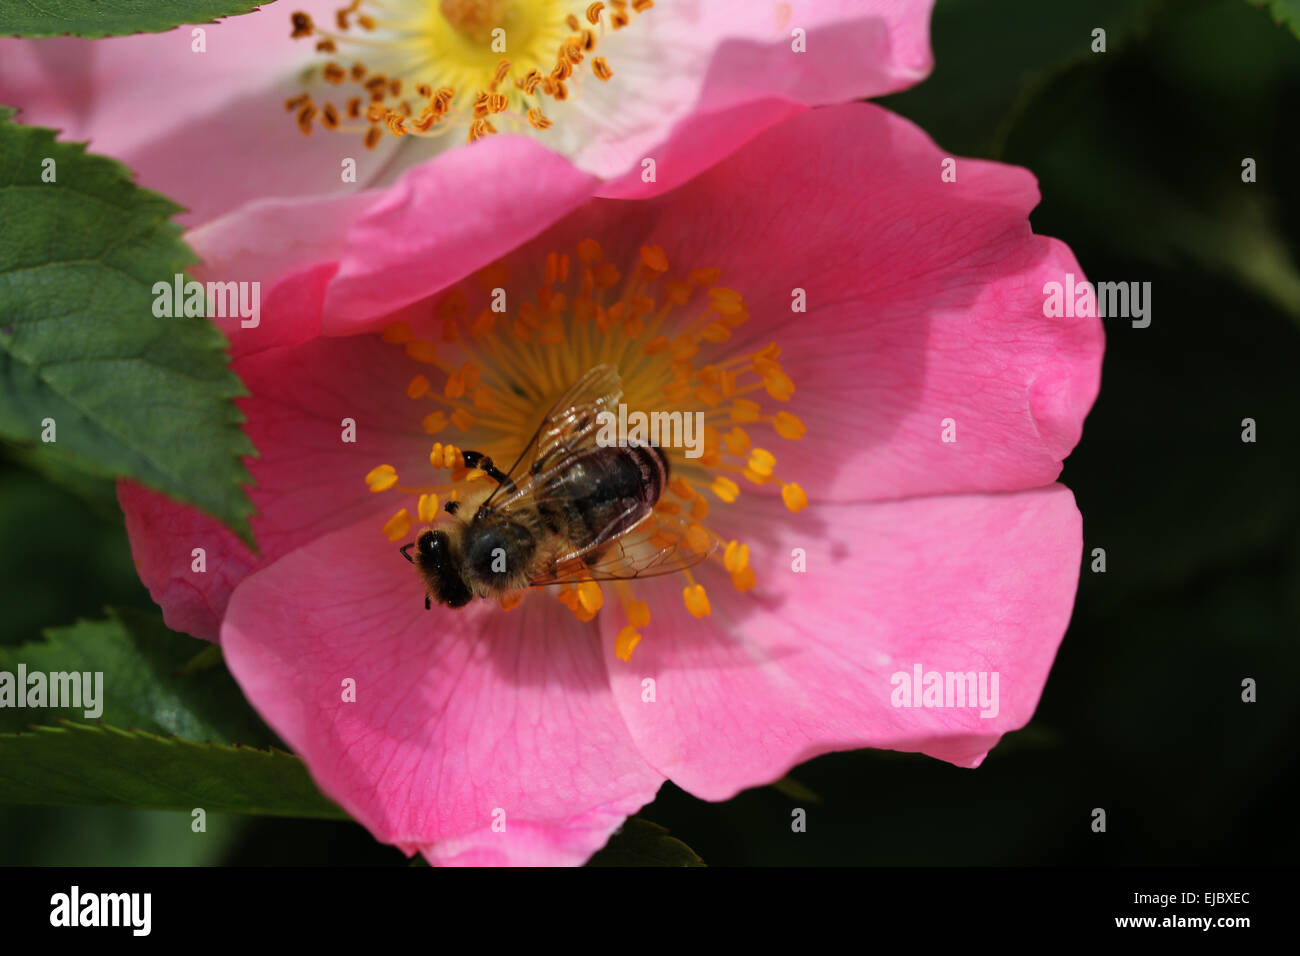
x=131 y=395
x=145 y=684
x=103 y=18
x=207 y=658
x=642 y=843
x=1210 y=73
x=1285 y=12
x=80 y=765
x=795 y=790
x=183 y=709
x=97 y=493
x=1215 y=222
x=997 y=53
x=107 y=836
x=35 y=577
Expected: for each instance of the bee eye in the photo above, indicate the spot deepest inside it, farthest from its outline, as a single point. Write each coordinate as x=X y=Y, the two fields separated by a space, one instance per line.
x=429 y=544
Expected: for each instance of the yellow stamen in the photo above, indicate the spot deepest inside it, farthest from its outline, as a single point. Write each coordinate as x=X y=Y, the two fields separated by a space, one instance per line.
x=743 y=580
x=697 y=601
x=737 y=441
x=589 y=596
x=779 y=386
x=736 y=557
x=725 y=488
x=638 y=613
x=628 y=639
x=381 y=478
x=399 y=333
x=422 y=351
x=445 y=456
x=787 y=426
x=794 y=497
x=699 y=540
x=417 y=387
x=425 y=67
x=398 y=526
x=668 y=335
x=761 y=462
x=654 y=259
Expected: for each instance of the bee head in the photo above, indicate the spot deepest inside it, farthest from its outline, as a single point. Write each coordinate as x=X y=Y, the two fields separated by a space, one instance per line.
x=438 y=564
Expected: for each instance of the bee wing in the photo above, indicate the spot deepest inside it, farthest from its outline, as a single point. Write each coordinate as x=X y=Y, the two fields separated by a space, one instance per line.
x=658 y=545
x=572 y=419
x=568 y=427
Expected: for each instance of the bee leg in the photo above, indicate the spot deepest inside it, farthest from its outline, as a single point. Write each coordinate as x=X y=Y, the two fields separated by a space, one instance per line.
x=427 y=603
x=404 y=548
x=476 y=459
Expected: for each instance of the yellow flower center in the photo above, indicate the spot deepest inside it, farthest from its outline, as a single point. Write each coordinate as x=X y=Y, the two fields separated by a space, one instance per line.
x=422 y=67
x=476 y=19
x=494 y=371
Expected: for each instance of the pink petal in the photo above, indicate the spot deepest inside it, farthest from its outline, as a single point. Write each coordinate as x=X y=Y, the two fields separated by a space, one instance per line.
x=214 y=134
x=248 y=149
x=308 y=481
x=444 y=220
x=803 y=664
x=206 y=129
x=49 y=81
x=934 y=288
x=699 y=140
x=458 y=714
x=291 y=248
x=130 y=89
x=163 y=537
x=853 y=49
x=925 y=303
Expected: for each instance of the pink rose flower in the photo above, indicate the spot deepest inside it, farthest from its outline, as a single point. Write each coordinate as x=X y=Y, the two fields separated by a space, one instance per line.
x=855 y=541
x=387 y=86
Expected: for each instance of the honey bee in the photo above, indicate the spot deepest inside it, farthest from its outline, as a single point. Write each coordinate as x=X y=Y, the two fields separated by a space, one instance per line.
x=568 y=510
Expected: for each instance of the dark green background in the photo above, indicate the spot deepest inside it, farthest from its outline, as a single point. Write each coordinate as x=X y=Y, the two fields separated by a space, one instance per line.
x=1138 y=152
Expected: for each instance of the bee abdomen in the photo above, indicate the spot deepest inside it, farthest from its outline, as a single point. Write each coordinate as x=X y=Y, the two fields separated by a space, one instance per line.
x=608 y=490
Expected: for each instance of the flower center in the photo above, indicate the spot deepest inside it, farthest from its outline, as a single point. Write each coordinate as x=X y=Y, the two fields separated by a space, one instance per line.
x=474 y=19
x=668 y=335
x=420 y=67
